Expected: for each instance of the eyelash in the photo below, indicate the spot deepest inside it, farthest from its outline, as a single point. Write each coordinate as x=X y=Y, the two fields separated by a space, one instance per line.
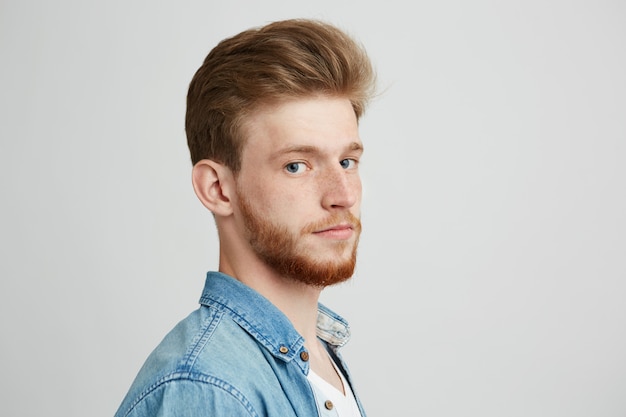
x=352 y=164
x=292 y=164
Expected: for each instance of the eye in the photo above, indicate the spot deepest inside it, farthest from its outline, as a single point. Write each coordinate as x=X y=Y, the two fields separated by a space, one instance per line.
x=295 y=167
x=348 y=163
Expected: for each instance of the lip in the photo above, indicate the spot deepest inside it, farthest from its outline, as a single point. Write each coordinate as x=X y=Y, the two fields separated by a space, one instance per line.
x=340 y=231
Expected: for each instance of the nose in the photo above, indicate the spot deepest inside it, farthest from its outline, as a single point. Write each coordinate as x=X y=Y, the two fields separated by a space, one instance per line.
x=340 y=189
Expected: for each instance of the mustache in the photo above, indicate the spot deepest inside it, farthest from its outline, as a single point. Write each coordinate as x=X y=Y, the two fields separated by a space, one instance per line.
x=334 y=220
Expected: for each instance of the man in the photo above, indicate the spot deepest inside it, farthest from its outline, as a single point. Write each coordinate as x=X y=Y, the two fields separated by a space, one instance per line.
x=272 y=127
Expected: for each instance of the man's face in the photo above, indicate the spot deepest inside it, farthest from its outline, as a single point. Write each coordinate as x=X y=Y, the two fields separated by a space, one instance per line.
x=299 y=189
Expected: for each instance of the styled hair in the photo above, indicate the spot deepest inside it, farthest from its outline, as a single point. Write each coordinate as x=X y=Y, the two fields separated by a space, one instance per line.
x=283 y=60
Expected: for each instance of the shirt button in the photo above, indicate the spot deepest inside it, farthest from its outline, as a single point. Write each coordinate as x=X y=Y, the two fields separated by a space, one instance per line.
x=304 y=355
x=283 y=349
x=329 y=405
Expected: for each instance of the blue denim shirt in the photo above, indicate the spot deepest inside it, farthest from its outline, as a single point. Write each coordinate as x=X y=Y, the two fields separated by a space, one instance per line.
x=237 y=355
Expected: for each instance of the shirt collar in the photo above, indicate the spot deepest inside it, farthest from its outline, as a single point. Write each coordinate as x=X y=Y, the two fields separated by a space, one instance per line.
x=272 y=328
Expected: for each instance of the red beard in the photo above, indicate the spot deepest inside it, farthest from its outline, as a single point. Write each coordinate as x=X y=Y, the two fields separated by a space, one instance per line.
x=278 y=248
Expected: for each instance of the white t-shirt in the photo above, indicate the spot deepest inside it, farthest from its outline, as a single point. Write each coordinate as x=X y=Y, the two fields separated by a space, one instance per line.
x=332 y=398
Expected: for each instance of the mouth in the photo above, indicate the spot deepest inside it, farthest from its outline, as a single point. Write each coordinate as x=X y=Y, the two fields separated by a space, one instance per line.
x=340 y=231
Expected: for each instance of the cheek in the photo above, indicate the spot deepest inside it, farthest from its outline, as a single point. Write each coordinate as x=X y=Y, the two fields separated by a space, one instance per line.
x=293 y=206
x=357 y=186
x=275 y=202
x=358 y=190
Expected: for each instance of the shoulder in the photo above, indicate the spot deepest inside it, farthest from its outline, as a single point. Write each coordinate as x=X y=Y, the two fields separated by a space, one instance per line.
x=188 y=395
x=206 y=362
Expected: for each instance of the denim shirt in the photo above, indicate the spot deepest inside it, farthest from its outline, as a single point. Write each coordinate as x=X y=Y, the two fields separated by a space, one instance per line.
x=237 y=355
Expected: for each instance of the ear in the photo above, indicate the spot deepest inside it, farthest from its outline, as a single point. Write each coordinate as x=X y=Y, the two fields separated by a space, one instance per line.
x=214 y=184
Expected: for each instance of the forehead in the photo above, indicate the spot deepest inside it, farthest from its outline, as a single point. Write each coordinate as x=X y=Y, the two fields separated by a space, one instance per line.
x=320 y=121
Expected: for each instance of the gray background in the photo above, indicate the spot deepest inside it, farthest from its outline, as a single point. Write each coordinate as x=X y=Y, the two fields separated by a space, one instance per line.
x=491 y=277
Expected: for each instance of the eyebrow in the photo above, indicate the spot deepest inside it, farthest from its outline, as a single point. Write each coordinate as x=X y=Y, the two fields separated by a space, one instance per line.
x=309 y=149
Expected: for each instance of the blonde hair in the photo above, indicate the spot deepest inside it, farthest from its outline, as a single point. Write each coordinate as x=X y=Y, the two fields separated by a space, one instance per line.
x=283 y=60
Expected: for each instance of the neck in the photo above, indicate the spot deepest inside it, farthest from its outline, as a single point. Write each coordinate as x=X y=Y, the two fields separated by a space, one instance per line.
x=298 y=301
